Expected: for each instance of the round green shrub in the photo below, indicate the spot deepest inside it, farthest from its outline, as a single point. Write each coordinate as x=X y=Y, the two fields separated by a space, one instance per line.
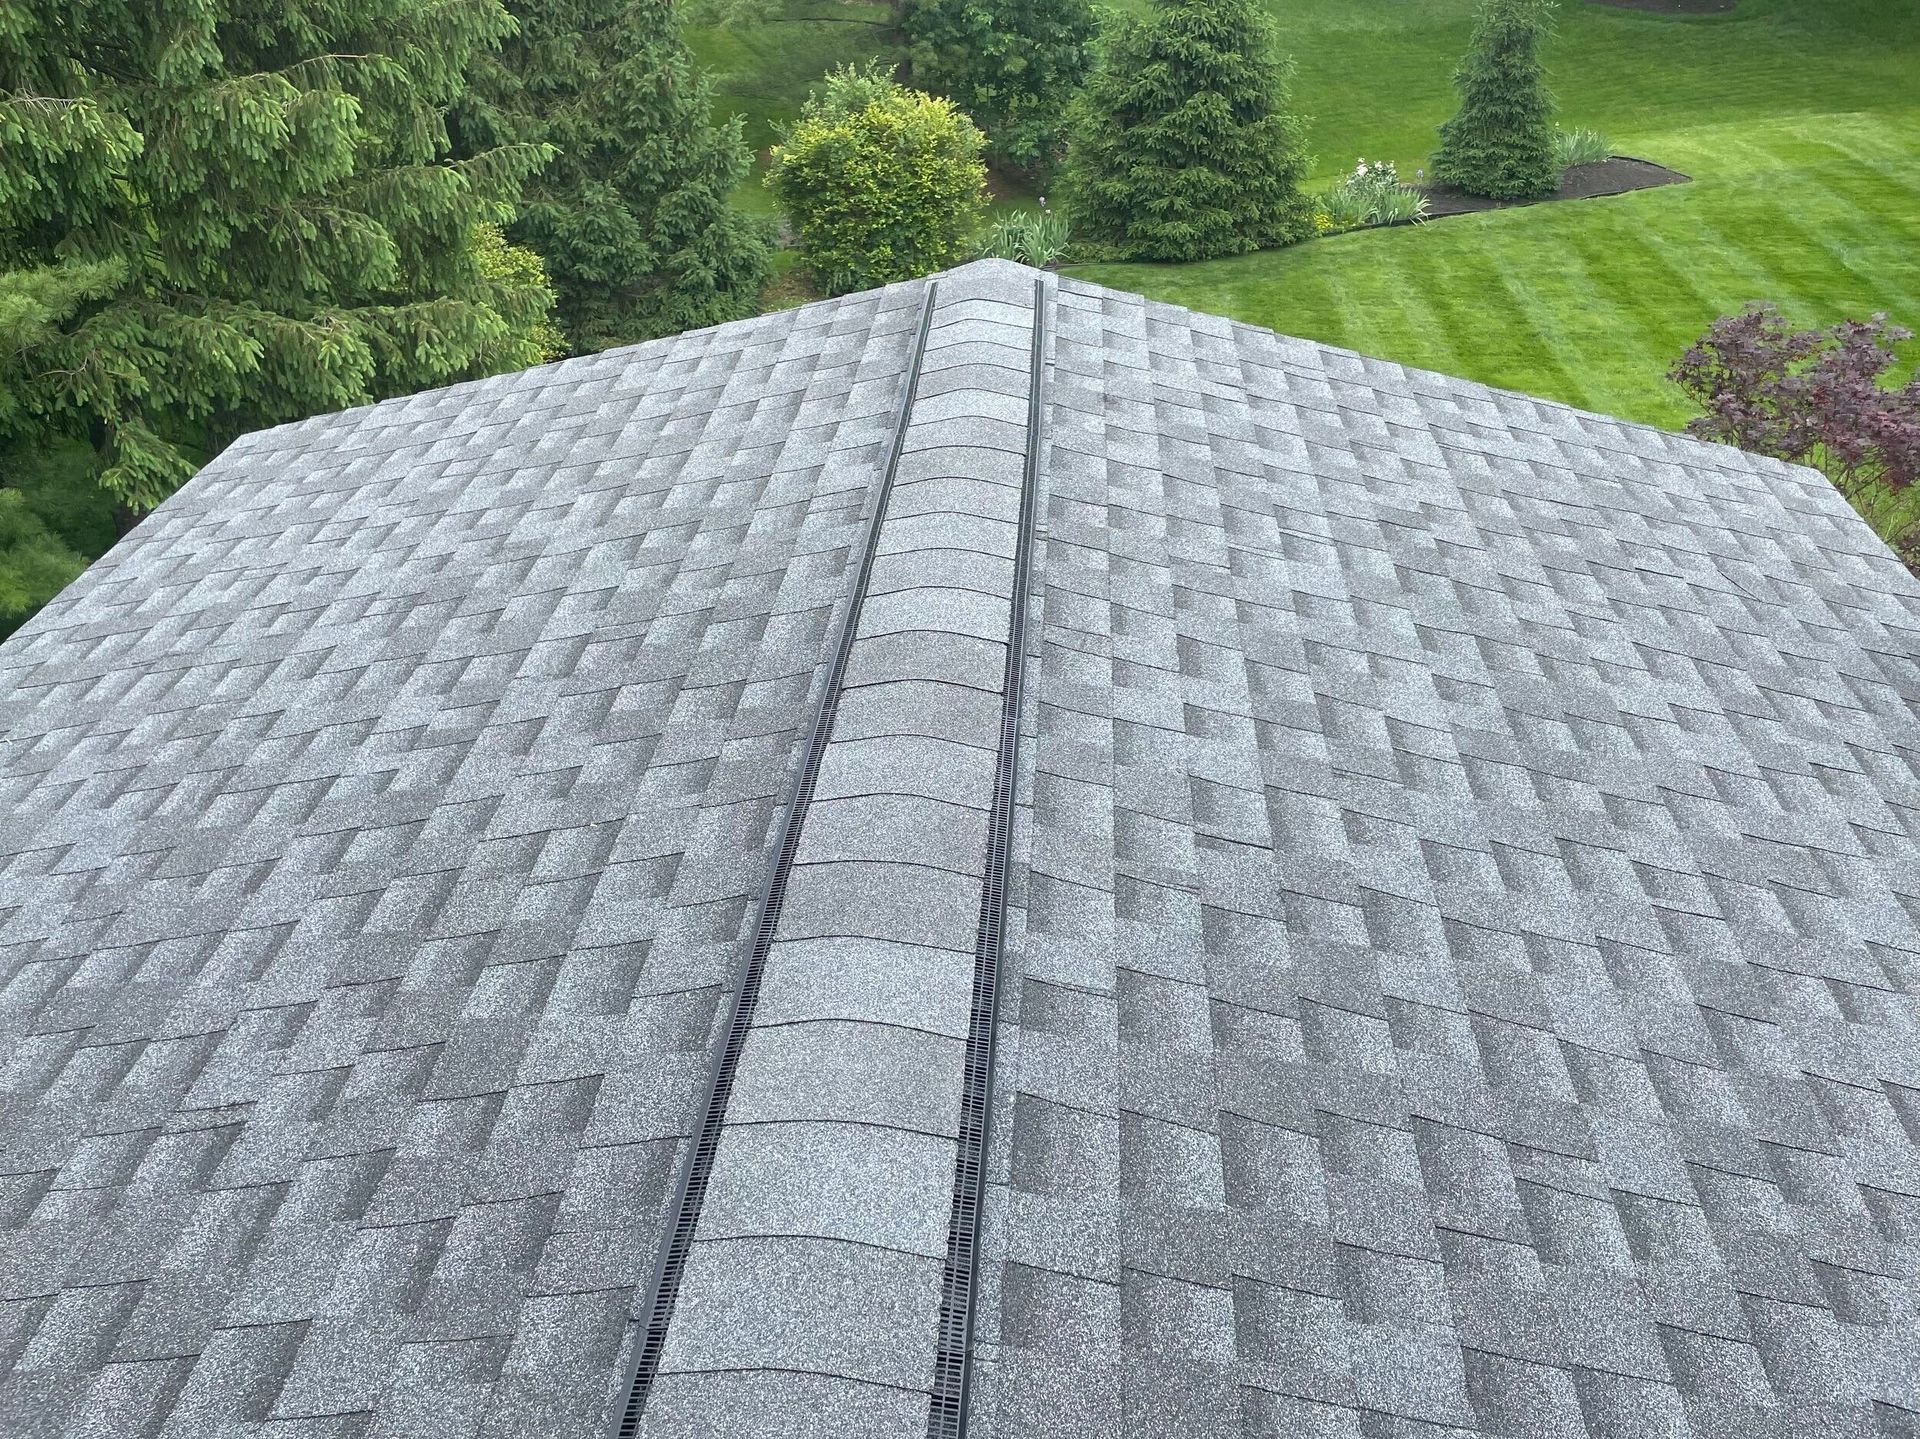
x=881 y=183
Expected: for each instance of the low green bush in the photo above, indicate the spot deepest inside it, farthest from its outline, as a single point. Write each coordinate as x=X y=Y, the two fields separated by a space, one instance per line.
x=1371 y=195
x=1580 y=147
x=882 y=183
x=1032 y=237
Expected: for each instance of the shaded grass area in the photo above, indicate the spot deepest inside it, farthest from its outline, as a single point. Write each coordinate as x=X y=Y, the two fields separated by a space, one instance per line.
x=1800 y=124
x=761 y=70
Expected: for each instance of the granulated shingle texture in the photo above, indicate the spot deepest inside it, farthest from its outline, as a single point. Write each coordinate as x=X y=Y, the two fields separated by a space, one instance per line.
x=822 y=1246
x=1461 y=980
x=1469 y=967
x=382 y=819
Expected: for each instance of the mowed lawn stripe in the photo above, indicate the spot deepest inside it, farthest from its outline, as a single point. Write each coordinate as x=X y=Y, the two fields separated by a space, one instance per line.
x=1591 y=301
x=1798 y=123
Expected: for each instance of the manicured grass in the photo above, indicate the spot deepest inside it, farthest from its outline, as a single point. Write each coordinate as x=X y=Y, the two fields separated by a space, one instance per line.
x=1375 y=79
x=1799 y=121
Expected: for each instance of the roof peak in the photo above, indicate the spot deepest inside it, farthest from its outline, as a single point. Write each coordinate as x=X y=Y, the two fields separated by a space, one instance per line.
x=1425 y=794
x=806 y=1209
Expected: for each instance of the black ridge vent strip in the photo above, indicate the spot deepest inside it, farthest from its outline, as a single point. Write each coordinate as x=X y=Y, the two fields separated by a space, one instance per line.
x=953 y=1360
x=690 y=1187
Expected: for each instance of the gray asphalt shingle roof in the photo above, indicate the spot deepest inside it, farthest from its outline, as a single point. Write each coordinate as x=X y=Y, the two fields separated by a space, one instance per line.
x=1469 y=971
x=1462 y=962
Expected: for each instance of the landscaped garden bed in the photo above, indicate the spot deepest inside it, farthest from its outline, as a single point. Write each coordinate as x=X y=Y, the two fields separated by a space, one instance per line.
x=1616 y=175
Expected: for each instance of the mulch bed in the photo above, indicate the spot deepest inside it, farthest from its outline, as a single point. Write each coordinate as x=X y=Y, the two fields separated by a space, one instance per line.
x=1670 y=7
x=1616 y=176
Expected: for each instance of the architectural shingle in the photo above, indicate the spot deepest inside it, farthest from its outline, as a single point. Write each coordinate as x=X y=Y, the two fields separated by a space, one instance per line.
x=1468 y=919
x=1461 y=972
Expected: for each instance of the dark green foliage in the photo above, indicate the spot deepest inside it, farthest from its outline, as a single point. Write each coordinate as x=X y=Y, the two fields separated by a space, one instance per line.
x=632 y=217
x=1011 y=65
x=519 y=277
x=1501 y=143
x=882 y=183
x=34 y=564
x=1183 y=148
x=53 y=518
x=218 y=214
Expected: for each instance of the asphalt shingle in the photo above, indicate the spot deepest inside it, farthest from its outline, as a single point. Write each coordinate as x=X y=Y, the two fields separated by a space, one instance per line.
x=1462 y=967
x=1456 y=829
x=386 y=811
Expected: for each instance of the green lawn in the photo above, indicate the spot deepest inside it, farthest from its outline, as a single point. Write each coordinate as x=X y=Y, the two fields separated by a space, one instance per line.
x=1799 y=119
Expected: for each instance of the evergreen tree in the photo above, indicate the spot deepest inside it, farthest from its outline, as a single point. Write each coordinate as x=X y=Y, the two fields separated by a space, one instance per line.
x=632 y=217
x=1011 y=65
x=1500 y=143
x=1183 y=148
x=218 y=214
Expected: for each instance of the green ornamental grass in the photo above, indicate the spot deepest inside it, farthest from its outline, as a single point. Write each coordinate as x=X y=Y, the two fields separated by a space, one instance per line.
x=1580 y=147
x=1371 y=195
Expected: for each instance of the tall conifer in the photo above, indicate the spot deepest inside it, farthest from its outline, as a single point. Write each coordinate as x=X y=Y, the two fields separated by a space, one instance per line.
x=227 y=213
x=1183 y=147
x=633 y=216
x=1500 y=143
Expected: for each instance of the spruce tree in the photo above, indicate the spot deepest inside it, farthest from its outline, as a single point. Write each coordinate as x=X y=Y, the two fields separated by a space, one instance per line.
x=229 y=213
x=633 y=216
x=1500 y=143
x=1183 y=147
x=1011 y=65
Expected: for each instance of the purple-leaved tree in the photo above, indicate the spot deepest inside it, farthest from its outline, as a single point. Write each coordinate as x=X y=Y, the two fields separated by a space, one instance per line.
x=1815 y=397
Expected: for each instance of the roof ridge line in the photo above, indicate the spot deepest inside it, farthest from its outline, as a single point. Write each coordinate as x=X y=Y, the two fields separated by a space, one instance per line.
x=874 y=1233
x=695 y=1169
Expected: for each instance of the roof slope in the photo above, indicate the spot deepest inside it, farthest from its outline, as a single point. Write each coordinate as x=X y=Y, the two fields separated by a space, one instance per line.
x=1469 y=974
x=1462 y=968
x=384 y=813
